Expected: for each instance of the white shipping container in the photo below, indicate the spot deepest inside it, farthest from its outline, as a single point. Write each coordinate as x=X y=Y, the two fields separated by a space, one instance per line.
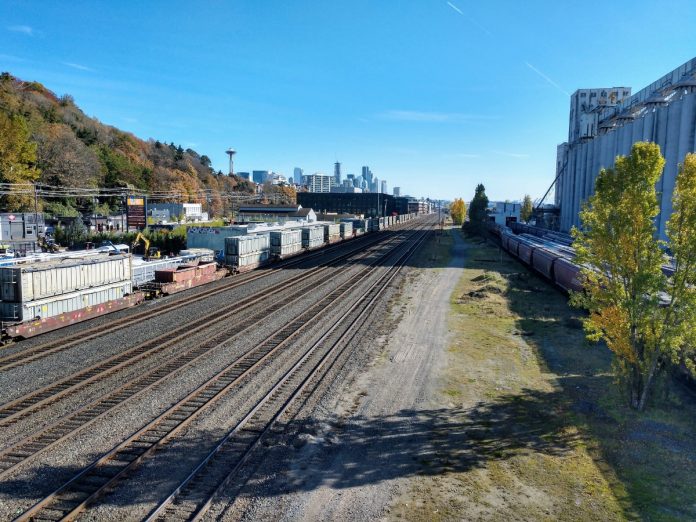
x=313 y=243
x=346 y=230
x=286 y=237
x=41 y=280
x=286 y=250
x=246 y=259
x=69 y=302
x=332 y=231
x=242 y=245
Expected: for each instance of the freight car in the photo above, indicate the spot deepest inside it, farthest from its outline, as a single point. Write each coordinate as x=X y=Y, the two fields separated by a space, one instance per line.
x=555 y=262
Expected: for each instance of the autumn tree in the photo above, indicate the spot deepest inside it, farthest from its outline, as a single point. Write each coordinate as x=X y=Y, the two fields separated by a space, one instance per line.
x=622 y=268
x=478 y=210
x=527 y=210
x=64 y=159
x=458 y=211
x=17 y=159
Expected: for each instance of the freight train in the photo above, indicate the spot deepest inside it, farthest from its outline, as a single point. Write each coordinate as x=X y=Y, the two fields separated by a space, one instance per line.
x=553 y=259
x=549 y=253
x=41 y=295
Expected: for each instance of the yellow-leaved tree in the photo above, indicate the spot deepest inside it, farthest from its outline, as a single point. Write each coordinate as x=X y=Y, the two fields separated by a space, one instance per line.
x=17 y=161
x=458 y=211
x=527 y=210
x=646 y=318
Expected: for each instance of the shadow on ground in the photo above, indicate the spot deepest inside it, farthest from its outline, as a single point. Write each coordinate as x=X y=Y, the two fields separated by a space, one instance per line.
x=647 y=458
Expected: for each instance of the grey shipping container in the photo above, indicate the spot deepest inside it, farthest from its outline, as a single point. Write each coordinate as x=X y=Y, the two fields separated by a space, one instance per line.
x=332 y=232
x=346 y=230
x=246 y=260
x=242 y=245
x=46 y=279
x=313 y=236
x=286 y=242
x=69 y=302
x=286 y=237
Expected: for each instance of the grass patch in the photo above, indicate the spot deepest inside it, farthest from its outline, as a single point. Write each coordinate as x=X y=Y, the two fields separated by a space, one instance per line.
x=548 y=433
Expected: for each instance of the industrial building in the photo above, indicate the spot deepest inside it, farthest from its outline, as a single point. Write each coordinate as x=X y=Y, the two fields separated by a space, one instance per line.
x=504 y=212
x=365 y=204
x=605 y=123
x=275 y=213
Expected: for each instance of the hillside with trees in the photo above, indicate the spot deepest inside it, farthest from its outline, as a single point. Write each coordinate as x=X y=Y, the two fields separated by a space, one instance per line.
x=47 y=139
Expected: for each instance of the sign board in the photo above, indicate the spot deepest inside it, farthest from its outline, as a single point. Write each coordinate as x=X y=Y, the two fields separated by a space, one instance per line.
x=136 y=212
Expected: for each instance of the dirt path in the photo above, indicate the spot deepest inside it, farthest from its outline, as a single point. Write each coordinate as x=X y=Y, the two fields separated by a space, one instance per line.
x=368 y=441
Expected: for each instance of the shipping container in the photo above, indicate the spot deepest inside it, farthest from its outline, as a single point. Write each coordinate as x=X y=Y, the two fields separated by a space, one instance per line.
x=312 y=236
x=204 y=255
x=346 y=230
x=286 y=242
x=247 y=261
x=242 y=245
x=332 y=232
x=69 y=302
x=41 y=280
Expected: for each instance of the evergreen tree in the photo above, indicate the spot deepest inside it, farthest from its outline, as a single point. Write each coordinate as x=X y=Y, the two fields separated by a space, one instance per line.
x=478 y=210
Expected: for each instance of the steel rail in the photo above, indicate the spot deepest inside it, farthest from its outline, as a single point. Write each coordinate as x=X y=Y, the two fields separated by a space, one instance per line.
x=71 y=498
x=233 y=451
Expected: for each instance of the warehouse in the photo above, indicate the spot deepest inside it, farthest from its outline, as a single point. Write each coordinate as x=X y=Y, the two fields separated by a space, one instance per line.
x=605 y=123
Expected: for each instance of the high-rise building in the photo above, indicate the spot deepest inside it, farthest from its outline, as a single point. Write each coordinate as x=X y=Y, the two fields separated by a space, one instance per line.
x=351 y=179
x=383 y=188
x=244 y=175
x=318 y=182
x=259 y=176
x=367 y=176
x=297 y=174
x=397 y=191
x=374 y=186
x=605 y=123
x=337 y=174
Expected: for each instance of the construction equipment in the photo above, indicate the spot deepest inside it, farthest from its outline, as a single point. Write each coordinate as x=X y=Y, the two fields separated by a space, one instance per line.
x=149 y=252
x=48 y=245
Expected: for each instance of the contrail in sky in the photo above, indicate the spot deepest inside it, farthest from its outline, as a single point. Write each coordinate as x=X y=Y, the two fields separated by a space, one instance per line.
x=471 y=20
x=548 y=80
x=455 y=8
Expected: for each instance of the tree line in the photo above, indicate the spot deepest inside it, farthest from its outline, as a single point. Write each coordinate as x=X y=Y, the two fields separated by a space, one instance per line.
x=48 y=139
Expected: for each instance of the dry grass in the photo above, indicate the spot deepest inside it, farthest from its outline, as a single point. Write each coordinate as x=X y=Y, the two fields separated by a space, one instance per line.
x=550 y=436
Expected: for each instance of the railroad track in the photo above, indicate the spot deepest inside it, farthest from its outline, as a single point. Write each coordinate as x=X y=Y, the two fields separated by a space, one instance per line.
x=22 y=406
x=24 y=357
x=192 y=499
x=45 y=438
x=87 y=486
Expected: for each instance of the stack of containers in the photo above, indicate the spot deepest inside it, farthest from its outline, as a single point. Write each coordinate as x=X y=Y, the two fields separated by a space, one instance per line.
x=244 y=252
x=312 y=236
x=286 y=242
x=332 y=232
x=346 y=229
x=50 y=288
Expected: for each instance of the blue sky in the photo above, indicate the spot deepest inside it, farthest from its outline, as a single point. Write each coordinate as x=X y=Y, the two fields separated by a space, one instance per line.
x=434 y=96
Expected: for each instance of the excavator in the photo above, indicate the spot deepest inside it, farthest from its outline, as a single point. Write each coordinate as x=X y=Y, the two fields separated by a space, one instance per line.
x=150 y=252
